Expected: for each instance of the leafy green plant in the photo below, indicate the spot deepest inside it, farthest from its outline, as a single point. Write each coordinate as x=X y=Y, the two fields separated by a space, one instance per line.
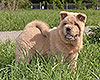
x=57 y=4
x=16 y=4
x=44 y=3
x=0 y=1
x=83 y=8
x=94 y=3
x=94 y=36
x=24 y=4
x=78 y=3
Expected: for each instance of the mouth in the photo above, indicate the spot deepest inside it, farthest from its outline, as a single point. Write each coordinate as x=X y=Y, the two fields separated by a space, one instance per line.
x=70 y=37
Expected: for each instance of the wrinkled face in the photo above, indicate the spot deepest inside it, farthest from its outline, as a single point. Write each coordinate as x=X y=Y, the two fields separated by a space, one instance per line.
x=72 y=25
x=71 y=28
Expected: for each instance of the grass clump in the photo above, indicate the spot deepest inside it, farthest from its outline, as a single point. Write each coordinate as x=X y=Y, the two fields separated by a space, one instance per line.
x=94 y=37
x=7 y=53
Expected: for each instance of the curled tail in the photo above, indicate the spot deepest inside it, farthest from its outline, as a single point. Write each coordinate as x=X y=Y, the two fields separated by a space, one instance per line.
x=42 y=26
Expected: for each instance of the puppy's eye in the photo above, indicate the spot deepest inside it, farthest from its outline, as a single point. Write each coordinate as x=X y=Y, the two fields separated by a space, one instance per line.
x=76 y=24
x=65 y=23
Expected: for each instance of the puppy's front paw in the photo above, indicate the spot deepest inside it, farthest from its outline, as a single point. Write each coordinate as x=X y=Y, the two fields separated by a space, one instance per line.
x=73 y=66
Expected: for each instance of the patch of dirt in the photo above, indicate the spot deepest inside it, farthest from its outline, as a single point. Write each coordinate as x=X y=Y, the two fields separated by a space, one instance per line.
x=11 y=35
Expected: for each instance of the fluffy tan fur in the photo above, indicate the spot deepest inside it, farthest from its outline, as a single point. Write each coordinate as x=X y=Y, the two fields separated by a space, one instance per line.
x=69 y=47
x=58 y=40
x=34 y=37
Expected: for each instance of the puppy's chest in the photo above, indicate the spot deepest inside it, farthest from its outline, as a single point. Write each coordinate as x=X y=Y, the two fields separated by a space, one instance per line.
x=58 y=46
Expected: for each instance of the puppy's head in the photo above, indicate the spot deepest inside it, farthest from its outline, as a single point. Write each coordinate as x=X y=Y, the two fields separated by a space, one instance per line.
x=71 y=26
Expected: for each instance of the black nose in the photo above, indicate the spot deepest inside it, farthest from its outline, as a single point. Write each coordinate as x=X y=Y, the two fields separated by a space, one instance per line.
x=68 y=29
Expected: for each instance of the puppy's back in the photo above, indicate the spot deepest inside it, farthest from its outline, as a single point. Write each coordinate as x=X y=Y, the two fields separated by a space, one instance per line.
x=35 y=36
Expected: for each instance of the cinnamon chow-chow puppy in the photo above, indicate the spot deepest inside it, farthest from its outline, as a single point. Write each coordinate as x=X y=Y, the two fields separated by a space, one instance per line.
x=67 y=38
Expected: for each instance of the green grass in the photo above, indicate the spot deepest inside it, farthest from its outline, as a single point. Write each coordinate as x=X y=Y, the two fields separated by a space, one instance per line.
x=17 y=20
x=88 y=65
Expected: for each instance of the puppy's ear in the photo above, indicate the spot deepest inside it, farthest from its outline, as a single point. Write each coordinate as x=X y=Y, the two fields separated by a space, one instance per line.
x=63 y=14
x=82 y=17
